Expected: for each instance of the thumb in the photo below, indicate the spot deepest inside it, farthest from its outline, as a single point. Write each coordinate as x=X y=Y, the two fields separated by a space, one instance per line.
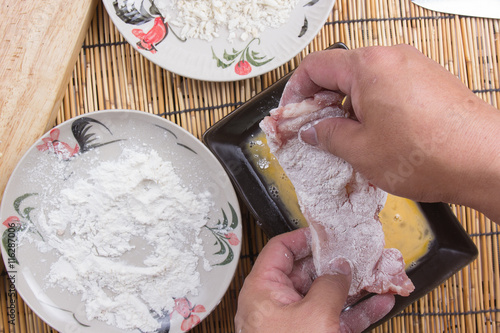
x=334 y=135
x=330 y=291
x=359 y=317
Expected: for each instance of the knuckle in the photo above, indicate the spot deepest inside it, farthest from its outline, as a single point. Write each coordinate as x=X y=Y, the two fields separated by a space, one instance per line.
x=383 y=56
x=327 y=322
x=373 y=55
x=338 y=282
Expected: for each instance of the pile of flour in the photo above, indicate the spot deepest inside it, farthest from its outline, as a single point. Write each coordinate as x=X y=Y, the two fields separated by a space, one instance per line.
x=127 y=238
x=204 y=19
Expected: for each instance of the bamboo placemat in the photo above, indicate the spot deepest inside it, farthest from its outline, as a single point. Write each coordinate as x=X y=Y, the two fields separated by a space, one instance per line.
x=111 y=74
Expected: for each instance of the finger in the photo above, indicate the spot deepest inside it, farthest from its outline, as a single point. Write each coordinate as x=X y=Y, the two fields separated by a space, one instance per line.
x=282 y=251
x=361 y=316
x=339 y=136
x=330 y=290
x=329 y=69
x=303 y=274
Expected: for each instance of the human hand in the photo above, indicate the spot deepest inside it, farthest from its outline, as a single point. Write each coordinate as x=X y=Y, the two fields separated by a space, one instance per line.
x=418 y=133
x=281 y=295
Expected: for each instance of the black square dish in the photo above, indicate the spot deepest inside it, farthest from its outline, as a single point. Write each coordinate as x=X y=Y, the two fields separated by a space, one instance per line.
x=450 y=251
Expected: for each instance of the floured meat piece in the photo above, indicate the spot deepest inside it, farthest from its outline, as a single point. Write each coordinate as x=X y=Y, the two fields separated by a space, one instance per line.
x=340 y=205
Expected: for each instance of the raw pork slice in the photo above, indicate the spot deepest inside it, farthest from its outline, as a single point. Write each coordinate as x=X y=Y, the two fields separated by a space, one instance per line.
x=340 y=205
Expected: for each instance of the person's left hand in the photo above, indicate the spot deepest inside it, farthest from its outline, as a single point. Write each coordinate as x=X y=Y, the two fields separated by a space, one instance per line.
x=281 y=295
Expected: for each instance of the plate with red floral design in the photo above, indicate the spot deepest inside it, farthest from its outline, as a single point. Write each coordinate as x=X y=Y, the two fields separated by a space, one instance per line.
x=224 y=58
x=71 y=151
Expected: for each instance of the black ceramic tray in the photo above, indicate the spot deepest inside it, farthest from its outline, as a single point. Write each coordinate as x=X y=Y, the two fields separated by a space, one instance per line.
x=450 y=251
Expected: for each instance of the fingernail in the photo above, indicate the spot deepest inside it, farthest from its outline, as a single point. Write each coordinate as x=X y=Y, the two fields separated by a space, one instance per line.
x=340 y=266
x=309 y=136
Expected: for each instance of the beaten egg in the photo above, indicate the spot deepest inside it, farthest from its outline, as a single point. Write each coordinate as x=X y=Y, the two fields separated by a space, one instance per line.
x=404 y=225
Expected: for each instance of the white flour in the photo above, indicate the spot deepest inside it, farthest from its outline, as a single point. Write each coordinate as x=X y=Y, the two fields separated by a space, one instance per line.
x=204 y=19
x=99 y=229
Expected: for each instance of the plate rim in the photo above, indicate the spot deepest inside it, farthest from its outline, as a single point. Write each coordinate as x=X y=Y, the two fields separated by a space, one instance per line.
x=108 y=5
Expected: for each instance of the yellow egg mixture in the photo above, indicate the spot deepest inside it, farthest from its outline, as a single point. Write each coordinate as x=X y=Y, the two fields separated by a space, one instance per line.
x=404 y=225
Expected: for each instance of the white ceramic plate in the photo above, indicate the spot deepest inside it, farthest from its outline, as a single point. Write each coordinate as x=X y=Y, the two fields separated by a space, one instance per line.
x=220 y=59
x=46 y=167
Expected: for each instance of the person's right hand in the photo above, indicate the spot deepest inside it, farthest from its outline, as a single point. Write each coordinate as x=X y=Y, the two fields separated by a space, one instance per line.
x=419 y=132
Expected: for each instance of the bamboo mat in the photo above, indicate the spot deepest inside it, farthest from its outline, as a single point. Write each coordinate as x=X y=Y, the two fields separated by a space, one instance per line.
x=111 y=74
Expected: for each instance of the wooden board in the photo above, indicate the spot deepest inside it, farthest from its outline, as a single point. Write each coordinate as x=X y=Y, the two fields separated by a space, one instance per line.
x=39 y=44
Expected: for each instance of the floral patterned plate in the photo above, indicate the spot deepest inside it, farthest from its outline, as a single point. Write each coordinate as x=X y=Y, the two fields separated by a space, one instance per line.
x=73 y=148
x=219 y=59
